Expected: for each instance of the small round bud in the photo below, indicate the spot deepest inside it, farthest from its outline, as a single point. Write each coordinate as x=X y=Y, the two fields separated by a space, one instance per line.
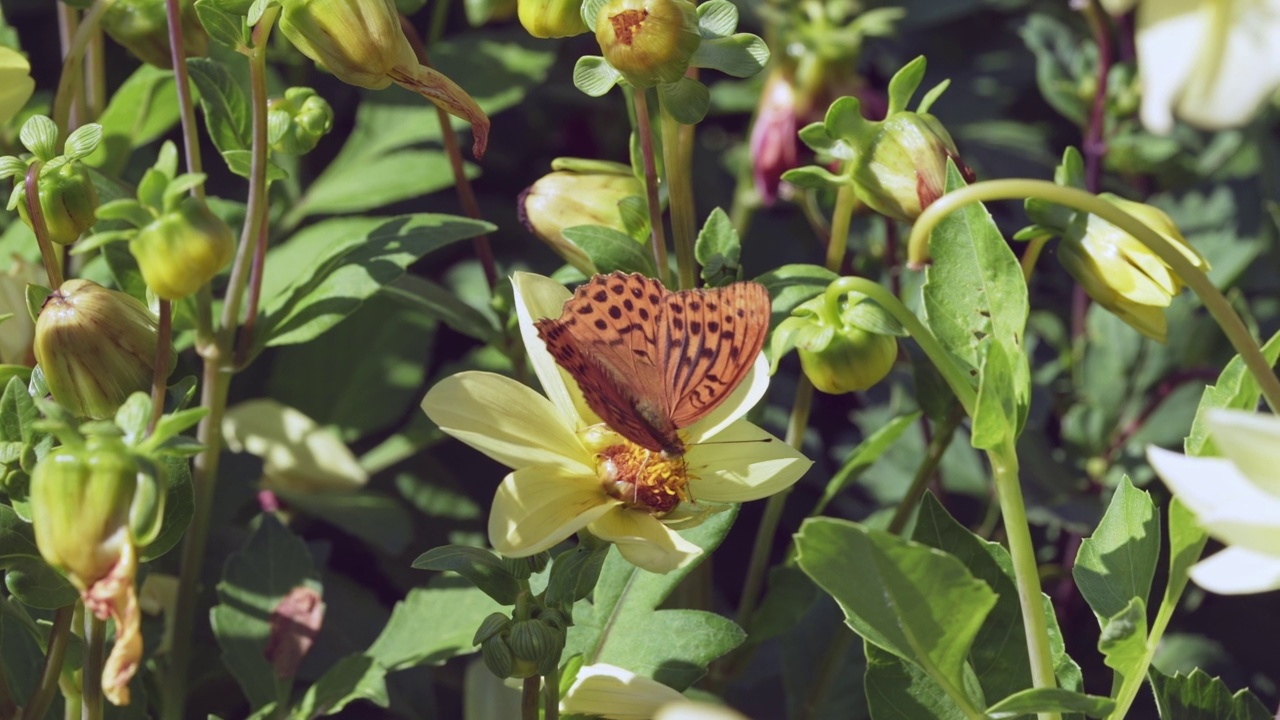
x=649 y=41
x=182 y=249
x=492 y=625
x=537 y=643
x=498 y=656
x=539 y=561
x=845 y=344
x=517 y=568
x=565 y=199
x=557 y=620
x=96 y=347
x=68 y=201
x=297 y=121
x=551 y=18
x=142 y=27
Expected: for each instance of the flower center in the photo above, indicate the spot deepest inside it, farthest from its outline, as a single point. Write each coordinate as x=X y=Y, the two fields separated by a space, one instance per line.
x=627 y=24
x=642 y=479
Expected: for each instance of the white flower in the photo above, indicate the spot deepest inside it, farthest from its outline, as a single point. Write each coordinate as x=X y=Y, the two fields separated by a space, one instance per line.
x=609 y=691
x=1236 y=498
x=572 y=472
x=1212 y=63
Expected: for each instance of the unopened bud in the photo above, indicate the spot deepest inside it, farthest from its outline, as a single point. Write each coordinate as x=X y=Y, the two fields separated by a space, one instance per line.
x=649 y=41
x=902 y=168
x=498 y=656
x=96 y=347
x=565 y=199
x=845 y=344
x=551 y=18
x=183 y=249
x=297 y=121
x=493 y=624
x=68 y=201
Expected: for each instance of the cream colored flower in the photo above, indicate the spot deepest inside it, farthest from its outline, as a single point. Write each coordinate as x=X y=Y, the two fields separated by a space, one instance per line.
x=298 y=455
x=1212 y=63
x=1236 y=498
x=609 y=691
x=571 y=472
x=16 y=84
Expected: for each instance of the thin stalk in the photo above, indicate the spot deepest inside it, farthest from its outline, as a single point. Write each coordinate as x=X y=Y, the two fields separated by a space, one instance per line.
x=841 y=217
x=946 y=432
x=95 y=86
x=677 y=157
x=1004 y=468
x=551 y=697
x=529 y=698
x=1030 y=256
x=95 y=654
x=68 y=21
x=1192 y=276
x=186 y=106
x=8 y=708
x=59 y=636
x=164 y=341
x=73 y=66
x=218 y=353
x=645 y=132
x=245 y=342
x=52 y=264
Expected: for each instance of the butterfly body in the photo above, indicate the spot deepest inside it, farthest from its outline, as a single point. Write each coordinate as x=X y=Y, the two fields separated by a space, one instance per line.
x=650 y=361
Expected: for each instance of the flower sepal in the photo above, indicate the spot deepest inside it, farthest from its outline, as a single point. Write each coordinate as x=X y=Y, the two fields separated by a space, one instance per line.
x=845 y=342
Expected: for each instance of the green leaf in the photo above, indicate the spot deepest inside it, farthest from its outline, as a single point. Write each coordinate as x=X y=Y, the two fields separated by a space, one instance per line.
x=686 y=100
x=240 y=162
x=1186 y=541
x=717 y=18
x=574 y=573
x=974 y=290
x=1200 y=697
x=994 y=413
x=272 y=563
x=899 y=690
x=340 y=263
x=611 y=250
x=1236 y=389
x=1117 y=563
x=378 y=182
x=83 y=141
x=863 y=457
x=910 y=599
x=741 y=55
x=437 y=302
x=381 y=521
x=355 y=677
x=788 y=596
x=1124 y=642
x=813 y=177
x=481 y=567
x=35 y=296
x=617 y=626
x=594 y=77
x=179 y=506
x=719 y=250
x=18 y=414
x=1062 y=58
x=415 y=634
x=1050 y=700
x=903 y=85
x=27 y=576
x=222 y=23
x=226 y=111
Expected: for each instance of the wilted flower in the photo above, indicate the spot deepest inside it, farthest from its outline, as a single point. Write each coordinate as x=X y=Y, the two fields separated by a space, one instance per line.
x=361 y=42
x=1121 y=273
x=568 y=198
x=609 y=691
x=774 y=145
x=1236 y=499
x=565 y=460
x=16 y=84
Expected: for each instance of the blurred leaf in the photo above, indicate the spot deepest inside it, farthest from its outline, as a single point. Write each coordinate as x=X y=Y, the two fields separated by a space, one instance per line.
x=379 y=182
x=437 y=302
x=1117 y=563
x=1200 y=697
x=741 y=55
x=1050 y=700
x=272 y=563
x=27 y=576
x=179 y=506
x=617 y=625
x=141 y=110
x=719 y=250
x=355 y=677
x=480 y=566
x=1063 y=58
x=864 y=456
x=381 y=521
x=340 y=263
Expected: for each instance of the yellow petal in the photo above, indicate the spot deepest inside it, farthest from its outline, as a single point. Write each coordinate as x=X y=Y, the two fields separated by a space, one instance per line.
x=16 y=84
x=612 y=692
x=644 y=541
x=743 y=463
x=505 y=420
x=298 y=455
x=1237 y=571
x=741 y=400
x=539 y=297
x=538 y=507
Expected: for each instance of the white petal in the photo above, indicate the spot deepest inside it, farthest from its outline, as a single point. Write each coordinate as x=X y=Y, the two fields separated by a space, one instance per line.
x=1237 y=571
x=644 y=541
x=1238 y=67
x=613 y=692
x=1170 y=36
x=298 y=454
x=536 y=508
x=1251 y=441
x=505 y=420
x=539 y=297
x=743 y=463
x=1226 y=504
x=691 y=710
x=740 y=401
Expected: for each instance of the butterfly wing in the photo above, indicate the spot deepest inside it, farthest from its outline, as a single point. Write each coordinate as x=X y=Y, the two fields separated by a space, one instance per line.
x=606 y=338
x=711 y=340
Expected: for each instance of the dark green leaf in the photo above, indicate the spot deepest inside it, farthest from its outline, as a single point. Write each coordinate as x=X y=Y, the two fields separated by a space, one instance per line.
x=686 y=100
x=355 y=677
x=574 y=573
x=179 y=505
x=1200 y=697
x=226 y=111
x=141 y=110
x=611 y=250
x=863 y=456
x=481 y=567
x=1117 y=563
x=418 y=634
x=719 y=250
x=1236 y=389
x=1050 y=700
x=27 y=576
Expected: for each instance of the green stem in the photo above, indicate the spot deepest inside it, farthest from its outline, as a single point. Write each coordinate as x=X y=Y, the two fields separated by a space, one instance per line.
x=841 y=217
x=677 y=157
x=52 y=264
x=218 y=352
x=1004 y=467
x=645 y=132
x=551 y=696
x=186 y=106
x=95 y=654
x=164 y=340
x=73 y=66
x=95 y=86
x=943 y=435
x=529 y=698
x=59 y=635
x=1191 y=275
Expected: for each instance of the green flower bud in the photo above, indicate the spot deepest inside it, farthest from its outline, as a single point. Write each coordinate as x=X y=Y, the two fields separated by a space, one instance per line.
x=183 y=249
x=81 y=499
x=901 y=167
x=493 y=624
x=649 y=41
x=498 y=656
x=96 y=347
x=296 y=122
x=1122 y=274
x=565 y=199
x=517 y=568
x=142 y=27
x=845 y=344
x=557 y=620
x=551 y=18
x=68 y=201
x=539 y=561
